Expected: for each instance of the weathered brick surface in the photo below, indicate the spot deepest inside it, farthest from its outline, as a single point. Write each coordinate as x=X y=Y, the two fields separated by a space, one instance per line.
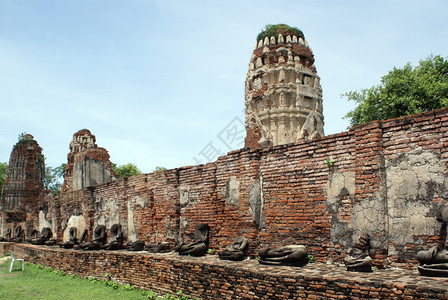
x=210 y=278
x=292 y=181
x=5 y=247
x=24 y=185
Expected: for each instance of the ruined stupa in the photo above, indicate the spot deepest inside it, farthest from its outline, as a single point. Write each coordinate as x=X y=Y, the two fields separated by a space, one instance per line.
x=87 y=164
x=283 y=92
x=23 y=188
x=25 y=178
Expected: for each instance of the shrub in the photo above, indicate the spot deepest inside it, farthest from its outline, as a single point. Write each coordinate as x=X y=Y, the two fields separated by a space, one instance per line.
x=274 y=30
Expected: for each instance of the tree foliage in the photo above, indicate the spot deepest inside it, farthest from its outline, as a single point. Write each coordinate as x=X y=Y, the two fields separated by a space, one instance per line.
x=54 y=178
x=274 y=30
x=3 y=173
x=158 y=169
x=126 y=170
x=403 y=91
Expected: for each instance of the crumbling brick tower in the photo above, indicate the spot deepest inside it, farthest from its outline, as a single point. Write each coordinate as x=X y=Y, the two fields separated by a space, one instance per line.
x=24 y=183
x=283 y=92
x=87 y=164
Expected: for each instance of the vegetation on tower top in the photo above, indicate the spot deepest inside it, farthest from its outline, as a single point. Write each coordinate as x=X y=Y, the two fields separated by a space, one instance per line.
x=25 y=139
x=274 y=30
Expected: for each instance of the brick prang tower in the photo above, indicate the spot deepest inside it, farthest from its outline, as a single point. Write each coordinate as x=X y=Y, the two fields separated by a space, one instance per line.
x=24 y=185
x=25 y=178
x=283 y=93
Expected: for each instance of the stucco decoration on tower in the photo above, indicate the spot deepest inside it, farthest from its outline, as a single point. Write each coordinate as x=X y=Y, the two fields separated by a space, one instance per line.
x=283 y=92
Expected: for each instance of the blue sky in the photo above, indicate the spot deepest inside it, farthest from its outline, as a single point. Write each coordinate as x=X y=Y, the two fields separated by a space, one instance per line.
x=158 y=81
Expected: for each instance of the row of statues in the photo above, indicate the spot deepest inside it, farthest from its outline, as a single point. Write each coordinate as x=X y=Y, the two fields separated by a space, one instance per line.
x=17 y=237
x=293 y=255
x=290 y=255
x=433 y=262
x=36 y=238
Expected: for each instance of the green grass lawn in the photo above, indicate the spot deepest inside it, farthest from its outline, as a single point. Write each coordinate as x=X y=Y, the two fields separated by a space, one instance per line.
x=37 y=282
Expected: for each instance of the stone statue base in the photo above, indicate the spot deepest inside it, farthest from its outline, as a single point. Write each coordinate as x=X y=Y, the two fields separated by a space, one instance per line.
x=434 y=270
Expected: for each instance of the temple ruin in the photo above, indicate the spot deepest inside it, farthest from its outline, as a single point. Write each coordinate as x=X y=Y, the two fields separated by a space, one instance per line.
x=283 y=92
x=24 y=185
x=87 y=164
x=292 y=195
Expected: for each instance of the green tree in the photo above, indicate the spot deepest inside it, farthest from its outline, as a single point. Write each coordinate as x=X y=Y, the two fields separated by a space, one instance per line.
x=126 y=170
x=158 y=169
x=403 y=91
x=54 y=178
x=3 y=173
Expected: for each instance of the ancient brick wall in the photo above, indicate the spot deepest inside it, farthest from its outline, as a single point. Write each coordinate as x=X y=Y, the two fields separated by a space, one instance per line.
x=387 y=178
x=155 y=201
x=210 y=278
x=416 y=187
x=294 y=189
x=5 y=247
x=238 y=196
